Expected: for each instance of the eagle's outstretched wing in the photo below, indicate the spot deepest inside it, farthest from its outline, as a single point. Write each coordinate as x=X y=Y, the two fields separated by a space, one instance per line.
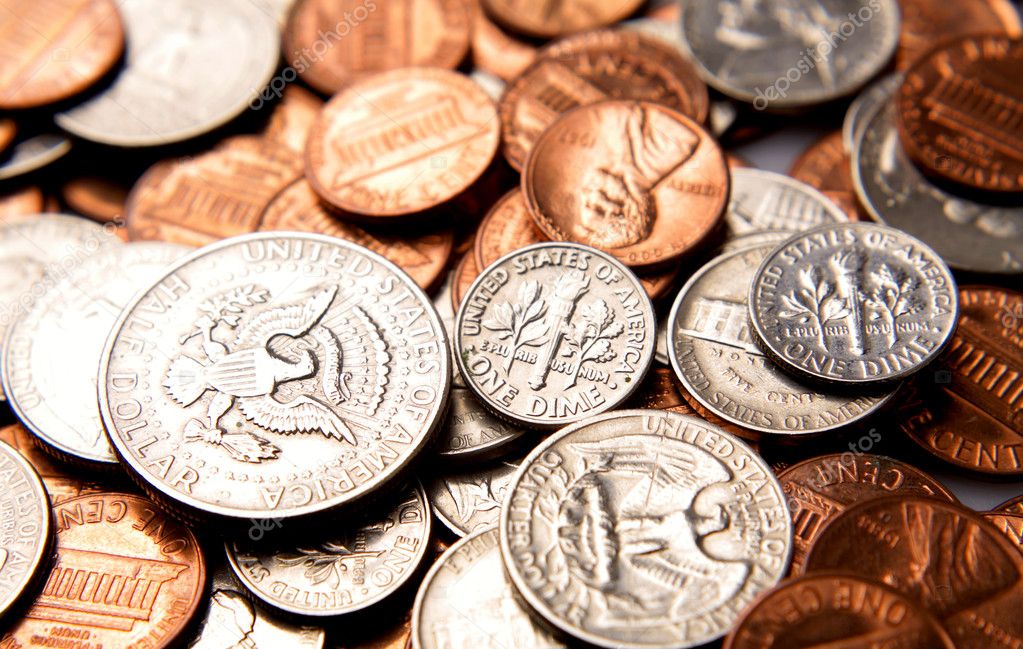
x=293 y=320
x=300 y=415
x=665 y=461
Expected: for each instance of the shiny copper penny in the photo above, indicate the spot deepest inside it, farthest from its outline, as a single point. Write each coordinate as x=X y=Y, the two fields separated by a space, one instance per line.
x=498 y=52
x=297 y=208
x=1011 y=526
x=592 y=67
x=636 y=179
x=960 y=113
x=61 y=483
x=331 y=43
x=53 y=49
x=401 y=142
x=22 y=202
x=925 y=23
x=218 y=194
x=507 y=227
x=292 y=117
x=658 y=391
x=8 y=129
x=836 y=609
x=97 y=197
x=466 y=273
x=821 y=488
x=969 y=411
x=125 y=575
x=942 y=555
x=827 y=167
x=1011 y=506
x=553 y=18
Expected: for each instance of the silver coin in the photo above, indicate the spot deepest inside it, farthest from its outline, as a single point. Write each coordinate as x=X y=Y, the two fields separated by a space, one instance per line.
x=553 y=333
x=754 y=240
x=778 y=54
x=473 y=432
x=466 y=601
x=33 y=153
x=853 y=304
x=968 y=235
x=661 y=342
x=191 y=66
x=869 y=101
x=491 y=84
x=470 y=500
x=341 y=571
x=716 y=359
x=274 y=375
x=644 y=529
x=764 y=201
x=446 y=311
x=52 y=353
x=25 y=526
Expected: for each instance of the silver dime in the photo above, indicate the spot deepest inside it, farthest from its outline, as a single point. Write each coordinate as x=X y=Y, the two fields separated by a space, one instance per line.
x=274 y=375
x=341 y=571
x=715 y=357
x=645 y=529
x=968 y=235
x=853 y=304
x=52 y=353
x=470 y=500
x=466 y=601
x=191 y=66
x=764 y=201
x=25 y=526
x=868 y=102
x=473 y=432
x=32 y=153
x=780 y=54
x=553 y=333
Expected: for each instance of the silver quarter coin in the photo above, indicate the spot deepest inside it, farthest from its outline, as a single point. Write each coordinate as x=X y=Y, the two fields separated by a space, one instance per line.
x=553 y=333
x=868 y=102
x=853 y=304
x=274 y=375
x=644 y=529
x=778 y=54
x=52 y=353
x=33 y=153
x=470 y=500
x=191 y=66
x=968 y=235
x=466 y=601
x=472 y=431
x=25 y=526
x=716 y=359
x=341 y=571
x=754 y=240
x=764 y=201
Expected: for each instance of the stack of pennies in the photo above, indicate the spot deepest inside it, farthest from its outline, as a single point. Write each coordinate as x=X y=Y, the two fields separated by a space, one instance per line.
x=451 y=324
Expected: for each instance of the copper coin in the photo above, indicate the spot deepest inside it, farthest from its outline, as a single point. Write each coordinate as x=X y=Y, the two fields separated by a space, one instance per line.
x=1011 y=506
x=821 y=488
x=969 y=412
x=466 y=273
x=22 y=202
x=593 y=67
x=1011 y=526
x=553 y=18
x=497 y=51
x=331 y=43
x=97 y=197
x=220 y=193
x=8 y=130
x=292 y=118
x=835 y=609
x=507 y=227
x=61 y=484
x=827 y=167
x=53 y=49
x=297 y=208
x=942 y=555
x=401 y=142
x=925 y=22
x=125 y=575
x=636 y=179
x=659 y=391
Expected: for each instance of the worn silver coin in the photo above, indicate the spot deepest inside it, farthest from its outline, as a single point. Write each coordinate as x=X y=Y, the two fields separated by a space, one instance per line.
x=718 y=362
x=343 y=570
x=969 y=236
x=466 y=601
x=469 y=500
x=754 y=240
x=644 y=528
x=764 y=201
x=853 y=304
x=25 y=527
x=52 y=353
x=472 y=431
x=868 y=102
x=446 y=311
x=33 y=153
x=783 y=54
x=274 y=375
x=191 y=66
x=553 y=333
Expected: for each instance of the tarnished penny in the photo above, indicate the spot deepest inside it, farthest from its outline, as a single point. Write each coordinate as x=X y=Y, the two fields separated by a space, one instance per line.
x=1010 y=524
x=765 y=201
x=960 y=113
x=835 y=609
x=827 y=167
x=53 y=49
x=557 y=17
x=97 y=197
x=465 y=274
x=21 y=202
x=635 y=179
x=469 y=500
x=25 y=526
x=969 y=411
x=925 y=23
x=497 y=51
x=819 y=489
x=957 y=565
x=61 y=483
x=401 y=142
x=331 y=43
x=125 y=575
x=298 y=208
x=472 y=432
x=659 y=392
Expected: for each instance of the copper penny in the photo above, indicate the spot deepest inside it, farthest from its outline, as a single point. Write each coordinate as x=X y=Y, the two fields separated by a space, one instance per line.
x=97 y=197
x=827 y=167
x=292 y=117
x=125 y=575
x=298 y=208
x=331 y=43
x=553 y=18
x=466 y=273
x=821 y=488
x=925 y=22
x=401 y=142
x=22 y=202
x=53 y=49
x=498 y=52
x=969 y=412
x=218 y=194
x=1011 y=506
x=8 y=129
x=593 y=67
x=942 y=555
x=507 y=227
x=659 y=391
x=636 y=179
x=1011 y=526
x=960 y=113
x=60 y=483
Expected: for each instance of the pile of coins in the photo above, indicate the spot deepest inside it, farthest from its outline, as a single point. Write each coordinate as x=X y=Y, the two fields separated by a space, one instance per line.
x=469 y=323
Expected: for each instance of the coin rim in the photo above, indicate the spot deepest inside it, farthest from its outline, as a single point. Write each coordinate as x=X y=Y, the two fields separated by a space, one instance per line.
x=46 y=543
